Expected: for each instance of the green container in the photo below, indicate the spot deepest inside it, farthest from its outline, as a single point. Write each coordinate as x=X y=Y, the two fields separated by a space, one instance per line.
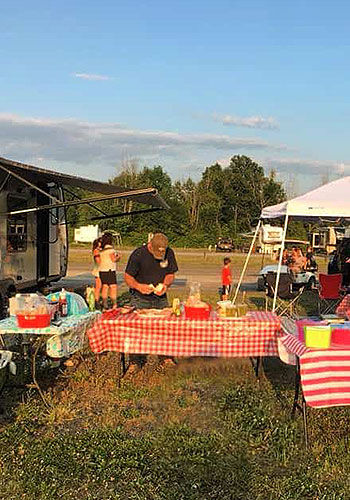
x=317 y=337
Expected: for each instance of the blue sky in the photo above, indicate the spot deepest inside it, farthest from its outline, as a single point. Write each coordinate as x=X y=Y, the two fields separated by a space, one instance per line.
x=87 y=85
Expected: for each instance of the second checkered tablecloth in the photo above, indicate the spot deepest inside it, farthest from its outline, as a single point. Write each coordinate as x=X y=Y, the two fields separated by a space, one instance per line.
x=254 y=335
x=325 y=373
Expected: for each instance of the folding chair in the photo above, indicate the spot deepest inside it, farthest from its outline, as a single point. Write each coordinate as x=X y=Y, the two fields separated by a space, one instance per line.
x=329 y=293
x=286 y=303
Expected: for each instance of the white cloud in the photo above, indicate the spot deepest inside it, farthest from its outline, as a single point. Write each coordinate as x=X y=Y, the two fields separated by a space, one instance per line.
x=308 y=167
x=92 y=77
x=95 y=149
x=88 y=144
x=249 y=121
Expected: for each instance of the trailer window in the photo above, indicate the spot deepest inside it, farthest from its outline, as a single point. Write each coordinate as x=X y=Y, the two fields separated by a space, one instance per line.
x=16 y=225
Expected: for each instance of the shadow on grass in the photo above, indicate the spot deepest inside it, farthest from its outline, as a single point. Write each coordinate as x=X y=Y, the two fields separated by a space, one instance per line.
x=258 y=301
x=19 y=388
x=281 y=378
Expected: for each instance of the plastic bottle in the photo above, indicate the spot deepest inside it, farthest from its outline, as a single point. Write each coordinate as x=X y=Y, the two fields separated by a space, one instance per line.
x=63 y=303
x=176 y=307
x=91 y=299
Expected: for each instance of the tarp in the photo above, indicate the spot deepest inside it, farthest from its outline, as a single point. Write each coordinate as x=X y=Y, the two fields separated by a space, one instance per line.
x=329 y=201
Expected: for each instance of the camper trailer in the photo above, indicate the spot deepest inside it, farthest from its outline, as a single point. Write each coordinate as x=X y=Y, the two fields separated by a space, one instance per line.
x=269 y=239
x=33 y=245
x=33 y=229
x=325 y=239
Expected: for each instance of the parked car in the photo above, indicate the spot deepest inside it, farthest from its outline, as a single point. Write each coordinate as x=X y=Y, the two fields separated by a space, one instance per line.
x=224 y=245
x=306 y=278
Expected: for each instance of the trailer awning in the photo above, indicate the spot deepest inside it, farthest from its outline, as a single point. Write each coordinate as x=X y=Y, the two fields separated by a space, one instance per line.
x=36 y=175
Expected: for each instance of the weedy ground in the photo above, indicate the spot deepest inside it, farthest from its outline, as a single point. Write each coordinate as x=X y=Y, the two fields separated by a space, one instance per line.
x=203 y=429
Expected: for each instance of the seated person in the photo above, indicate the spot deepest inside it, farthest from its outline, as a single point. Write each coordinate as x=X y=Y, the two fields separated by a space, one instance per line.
x=311 y=264
x=298 y=263
x=285 y=257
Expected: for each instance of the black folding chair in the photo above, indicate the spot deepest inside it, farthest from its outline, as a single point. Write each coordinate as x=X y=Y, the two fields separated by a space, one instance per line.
x=287 y=299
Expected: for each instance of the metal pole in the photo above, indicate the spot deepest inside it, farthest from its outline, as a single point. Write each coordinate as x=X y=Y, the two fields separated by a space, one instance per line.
x=30 y=184
x=123 y=194
x=90 y=204
x=246 y=261
x=280 y=263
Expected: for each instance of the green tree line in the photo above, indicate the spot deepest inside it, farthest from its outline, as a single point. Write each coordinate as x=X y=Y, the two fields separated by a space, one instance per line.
x=226 y=202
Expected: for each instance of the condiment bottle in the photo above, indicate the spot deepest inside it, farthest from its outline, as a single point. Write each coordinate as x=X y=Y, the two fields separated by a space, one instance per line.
x=91 y=299
x=176 y=307
x=63 y=303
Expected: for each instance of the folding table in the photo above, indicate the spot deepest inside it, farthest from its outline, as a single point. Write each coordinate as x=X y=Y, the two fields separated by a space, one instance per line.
x=254 y=335
x=61 y=341
x=323 y=374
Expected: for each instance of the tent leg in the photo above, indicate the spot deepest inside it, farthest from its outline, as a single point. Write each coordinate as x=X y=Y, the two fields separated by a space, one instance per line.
x=280 y=263
x=246 y=262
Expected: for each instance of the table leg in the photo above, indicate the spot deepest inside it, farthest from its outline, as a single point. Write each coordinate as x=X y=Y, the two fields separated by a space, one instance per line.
x=305 y=420
x=296 y=405
x=123 y=363
x=35 y=382
x=25 y=348
x=256 y=364
x=296 y=388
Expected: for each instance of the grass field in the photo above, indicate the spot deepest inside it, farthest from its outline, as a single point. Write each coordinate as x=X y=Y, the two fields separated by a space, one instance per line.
x=194 y=265
x=204 y=429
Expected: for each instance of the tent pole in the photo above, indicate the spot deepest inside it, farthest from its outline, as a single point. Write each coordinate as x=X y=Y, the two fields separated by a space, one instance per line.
x=280 y=262
x=246 y=262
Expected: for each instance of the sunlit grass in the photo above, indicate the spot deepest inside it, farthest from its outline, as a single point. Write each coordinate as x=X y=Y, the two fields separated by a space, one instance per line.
x=204 y=429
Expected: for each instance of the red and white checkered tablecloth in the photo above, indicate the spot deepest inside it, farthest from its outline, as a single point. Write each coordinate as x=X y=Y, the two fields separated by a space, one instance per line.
x=254 y=335
x=343 y=310
x=324 y=373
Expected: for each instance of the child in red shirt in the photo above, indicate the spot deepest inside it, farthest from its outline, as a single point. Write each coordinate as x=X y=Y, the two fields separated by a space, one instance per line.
x=226 y=278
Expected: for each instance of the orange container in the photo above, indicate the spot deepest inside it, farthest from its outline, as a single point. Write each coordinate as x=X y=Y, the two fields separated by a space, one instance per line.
x=197 y=312
x=33 y=320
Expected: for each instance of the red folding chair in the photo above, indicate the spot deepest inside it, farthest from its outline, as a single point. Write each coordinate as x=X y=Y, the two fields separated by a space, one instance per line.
x=329 y=292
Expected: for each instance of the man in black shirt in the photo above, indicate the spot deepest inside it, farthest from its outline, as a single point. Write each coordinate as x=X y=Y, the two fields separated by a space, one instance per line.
x=149 y=273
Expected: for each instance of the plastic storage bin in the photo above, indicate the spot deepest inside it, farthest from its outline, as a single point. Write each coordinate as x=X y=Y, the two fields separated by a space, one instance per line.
x=33 y=320
x=301 y=323
x=32 y=310
x=317 y=337
x=197 y=312
x=341 y=337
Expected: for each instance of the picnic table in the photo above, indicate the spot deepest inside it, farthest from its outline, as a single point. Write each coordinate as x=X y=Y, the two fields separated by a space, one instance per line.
x=254 y=335
x=61 y=341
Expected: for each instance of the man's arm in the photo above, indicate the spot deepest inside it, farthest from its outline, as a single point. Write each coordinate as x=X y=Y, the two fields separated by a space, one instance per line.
x=140 y=287
x=168 y=279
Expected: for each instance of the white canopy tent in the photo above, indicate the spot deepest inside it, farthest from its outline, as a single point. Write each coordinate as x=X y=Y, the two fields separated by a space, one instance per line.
x=328 y=202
